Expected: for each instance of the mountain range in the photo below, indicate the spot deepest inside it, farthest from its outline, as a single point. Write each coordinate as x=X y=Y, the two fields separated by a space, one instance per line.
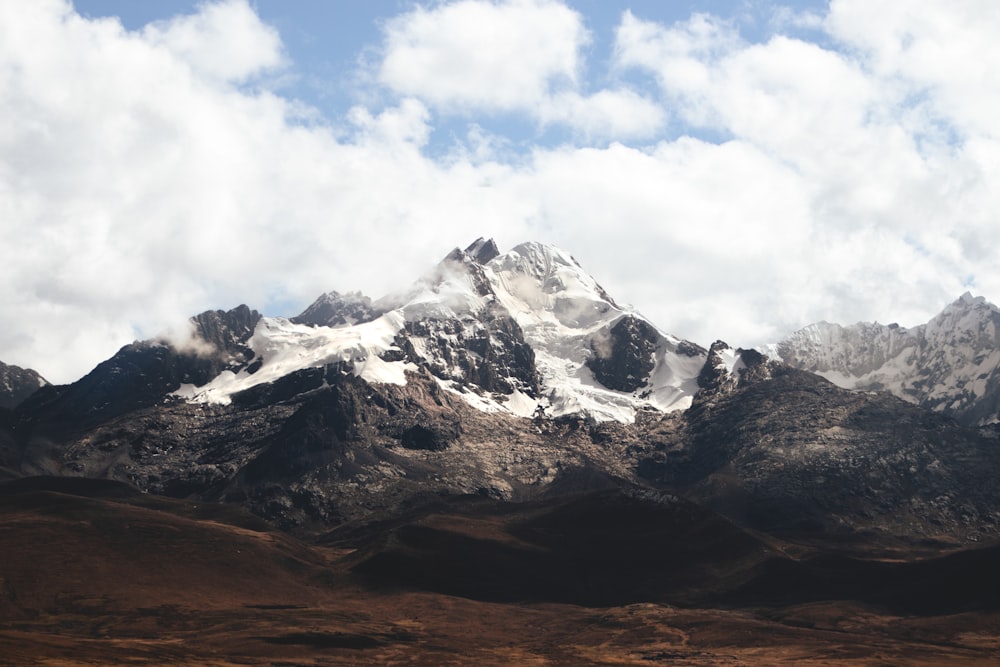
x=507 y=374
x=948 y=364
x=505 y=406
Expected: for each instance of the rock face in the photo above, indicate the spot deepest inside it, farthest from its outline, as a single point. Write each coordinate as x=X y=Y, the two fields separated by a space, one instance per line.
x=625 y=357
x=17 y=384
x=488 y=353
x=951 y=364
x=791 y=452
x=337 y=310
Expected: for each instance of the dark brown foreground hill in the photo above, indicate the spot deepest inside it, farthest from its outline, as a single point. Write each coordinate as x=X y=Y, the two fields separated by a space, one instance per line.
x=96 y=573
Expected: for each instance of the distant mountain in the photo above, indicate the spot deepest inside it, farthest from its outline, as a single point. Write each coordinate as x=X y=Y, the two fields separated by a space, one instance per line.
x=17 y=384
x=334 y=309
x=951 y=364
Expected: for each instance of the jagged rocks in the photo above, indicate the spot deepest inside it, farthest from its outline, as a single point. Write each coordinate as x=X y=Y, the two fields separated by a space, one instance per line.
x=623 y=356
x=726 y=369
x=17 y=384
x=714 y=375
x=950 y=364
x=482 y=250
x=227 y=332
x=489 y=353
x=794 y=453
x=336 y=310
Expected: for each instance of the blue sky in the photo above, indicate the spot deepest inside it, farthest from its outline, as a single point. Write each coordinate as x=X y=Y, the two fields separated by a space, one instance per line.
x=326 y=41
x=734 y=170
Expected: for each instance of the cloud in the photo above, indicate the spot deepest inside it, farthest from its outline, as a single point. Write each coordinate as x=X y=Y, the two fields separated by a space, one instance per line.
x=622 y=114
x=759 y=187
x=940 y=51
x=481 y=55
x=892 y=164
x=518 y=56
x=226 y=40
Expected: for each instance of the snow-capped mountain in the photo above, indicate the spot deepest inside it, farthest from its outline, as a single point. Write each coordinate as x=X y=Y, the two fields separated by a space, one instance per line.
x=950 y=364
x=515 y=376
x=17 y=383
x=527 y=332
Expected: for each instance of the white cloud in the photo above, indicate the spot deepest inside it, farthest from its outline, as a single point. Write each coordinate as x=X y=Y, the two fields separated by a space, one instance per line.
x=893 y=155
x=622 y=114
x=942 y=50
x=521 y=56
x=139 y=186
x=480 y=55
x=225 y=39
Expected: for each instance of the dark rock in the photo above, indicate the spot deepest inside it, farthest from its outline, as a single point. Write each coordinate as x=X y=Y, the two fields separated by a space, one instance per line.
x=143 y=373
x=335 y=310
x=17 y=384
x=795 y=453
x=489 y=352
x=424 y=437
x=482 y=250
x=713 y=375
x=623 y=356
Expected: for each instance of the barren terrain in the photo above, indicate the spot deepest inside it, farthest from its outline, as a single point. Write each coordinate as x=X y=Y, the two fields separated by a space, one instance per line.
x=94 y=573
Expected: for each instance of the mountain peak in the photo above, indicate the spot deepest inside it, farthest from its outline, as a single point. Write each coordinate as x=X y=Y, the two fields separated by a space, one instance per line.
x=334 y=309
x=482 y=250
x=967 y=301
x=527 y=332
x=17 y=383
x=554 y=273
x=950 y=364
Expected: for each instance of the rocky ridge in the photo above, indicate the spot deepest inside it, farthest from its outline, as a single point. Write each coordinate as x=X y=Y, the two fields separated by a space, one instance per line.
x=951 y=364
x=17 y=384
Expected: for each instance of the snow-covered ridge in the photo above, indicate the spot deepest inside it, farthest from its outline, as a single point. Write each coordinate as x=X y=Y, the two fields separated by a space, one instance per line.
x=520 y=332
x=951 y=363
x=283 y=347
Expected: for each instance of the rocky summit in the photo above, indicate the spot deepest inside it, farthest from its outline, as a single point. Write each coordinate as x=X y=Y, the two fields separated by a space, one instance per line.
x=17 y=384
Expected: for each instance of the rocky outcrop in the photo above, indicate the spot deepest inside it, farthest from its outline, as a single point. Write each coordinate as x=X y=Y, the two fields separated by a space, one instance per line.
x=482 y=250
x=796 y=454
x=727 y=370
x=17 y=384
x=489 y=353
x=337 y=310
x=624 y=355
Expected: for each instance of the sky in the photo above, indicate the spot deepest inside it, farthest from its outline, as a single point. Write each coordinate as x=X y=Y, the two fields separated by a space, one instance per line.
x=733 y=170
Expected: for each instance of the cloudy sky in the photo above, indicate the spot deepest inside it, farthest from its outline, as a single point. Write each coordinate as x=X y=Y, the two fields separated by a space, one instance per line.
x=733 y=169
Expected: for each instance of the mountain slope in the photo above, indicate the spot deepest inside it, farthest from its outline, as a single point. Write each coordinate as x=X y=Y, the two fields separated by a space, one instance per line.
x=792 y=453
x=951 y=364
x=17 y=384
x=143 y=373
